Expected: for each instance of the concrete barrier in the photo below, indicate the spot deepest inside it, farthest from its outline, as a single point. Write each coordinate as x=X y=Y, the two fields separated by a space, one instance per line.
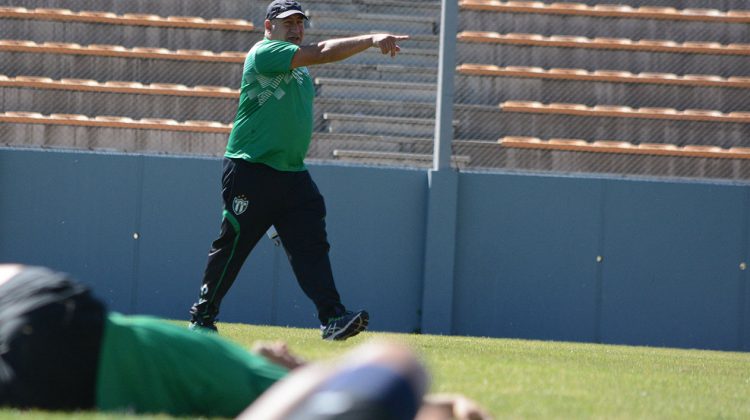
x=592 y=259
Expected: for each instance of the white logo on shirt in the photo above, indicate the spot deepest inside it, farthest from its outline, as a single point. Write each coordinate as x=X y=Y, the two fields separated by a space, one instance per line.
x=272 y=86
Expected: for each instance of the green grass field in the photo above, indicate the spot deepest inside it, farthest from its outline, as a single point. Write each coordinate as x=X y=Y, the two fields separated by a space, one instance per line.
x=537 y=379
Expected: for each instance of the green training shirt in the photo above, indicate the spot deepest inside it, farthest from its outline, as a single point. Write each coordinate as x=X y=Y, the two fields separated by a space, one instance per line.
x=147 y=365
x=274 y=119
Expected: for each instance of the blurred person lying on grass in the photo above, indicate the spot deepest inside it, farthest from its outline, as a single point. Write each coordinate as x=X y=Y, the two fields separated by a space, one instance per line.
x=61 y=349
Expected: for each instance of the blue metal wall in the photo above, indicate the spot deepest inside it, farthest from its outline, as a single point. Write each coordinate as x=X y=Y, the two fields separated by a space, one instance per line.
x=603 y=260
x=79 y=212
x=526 y=262
x=540 y=257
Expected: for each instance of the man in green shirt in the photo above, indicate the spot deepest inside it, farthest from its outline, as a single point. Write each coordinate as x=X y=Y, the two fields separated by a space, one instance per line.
x=265 y=182
x=61 y=349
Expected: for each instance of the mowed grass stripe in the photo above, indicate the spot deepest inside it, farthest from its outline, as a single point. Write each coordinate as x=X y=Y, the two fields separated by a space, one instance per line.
x=540 y=379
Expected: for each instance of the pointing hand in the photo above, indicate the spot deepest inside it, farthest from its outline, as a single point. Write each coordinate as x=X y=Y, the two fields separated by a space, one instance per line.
x=387 y=43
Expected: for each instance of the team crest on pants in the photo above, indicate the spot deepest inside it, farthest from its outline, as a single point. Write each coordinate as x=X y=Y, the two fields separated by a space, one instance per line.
x=239 y=204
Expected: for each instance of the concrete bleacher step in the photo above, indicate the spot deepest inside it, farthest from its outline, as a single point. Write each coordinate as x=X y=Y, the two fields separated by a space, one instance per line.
x=392 y=108
x=391 y=72
x=112 y=133
x=126 y=19
x=380 y=125
x=627 y=148
x=477 y=122
x=128 y=30
x=155 y=135
x=162 y=100
x=375 y=90
x=413 y=57
x=323 y=144
x=109 y=133
x=619 y=76
x=127 y=99
x=395 y=158
x=566 y=155
x=620 y=111
x=487 y=84
x=154 y=65
x=480 y=153
x=394 y=23
x=113 y=62
x=605 y=20
x=678 y=4
x=402 y=7
x=252 y=10
x=471 y=122
x=528 y=118
x=621 y=157
x=149 y=30
x=534 y=50
x=690 y=10
x=215 y=9
x=665 y=125
x=141 y=29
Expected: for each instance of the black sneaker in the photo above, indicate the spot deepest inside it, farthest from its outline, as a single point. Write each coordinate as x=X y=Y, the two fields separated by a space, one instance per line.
x=203 y=315
x=347 y=325
x=203 y=326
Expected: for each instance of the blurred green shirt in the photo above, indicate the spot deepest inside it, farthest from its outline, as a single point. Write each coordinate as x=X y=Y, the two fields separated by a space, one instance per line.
x=274 y=118
x=147 y=365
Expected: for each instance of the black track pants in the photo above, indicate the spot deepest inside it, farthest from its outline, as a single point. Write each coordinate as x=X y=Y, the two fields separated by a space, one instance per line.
x=255 y=198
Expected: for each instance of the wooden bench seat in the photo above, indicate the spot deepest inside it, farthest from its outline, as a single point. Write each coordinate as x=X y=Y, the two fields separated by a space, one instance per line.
x=626 y=112
x=622 y=147
x=115 y=122
x=605 y=76
x=609 y=10
x=135 y=19
x=396 y=158
x=113 y=86
x=647 y=45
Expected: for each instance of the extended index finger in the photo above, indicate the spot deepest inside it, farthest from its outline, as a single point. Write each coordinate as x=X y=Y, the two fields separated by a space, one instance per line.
x=399 y=37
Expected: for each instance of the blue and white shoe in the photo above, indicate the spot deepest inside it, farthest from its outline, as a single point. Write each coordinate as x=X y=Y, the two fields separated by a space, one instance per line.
x=345 y=326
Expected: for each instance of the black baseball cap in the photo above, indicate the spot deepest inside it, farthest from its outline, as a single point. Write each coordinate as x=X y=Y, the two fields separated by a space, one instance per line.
x=279 y=9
